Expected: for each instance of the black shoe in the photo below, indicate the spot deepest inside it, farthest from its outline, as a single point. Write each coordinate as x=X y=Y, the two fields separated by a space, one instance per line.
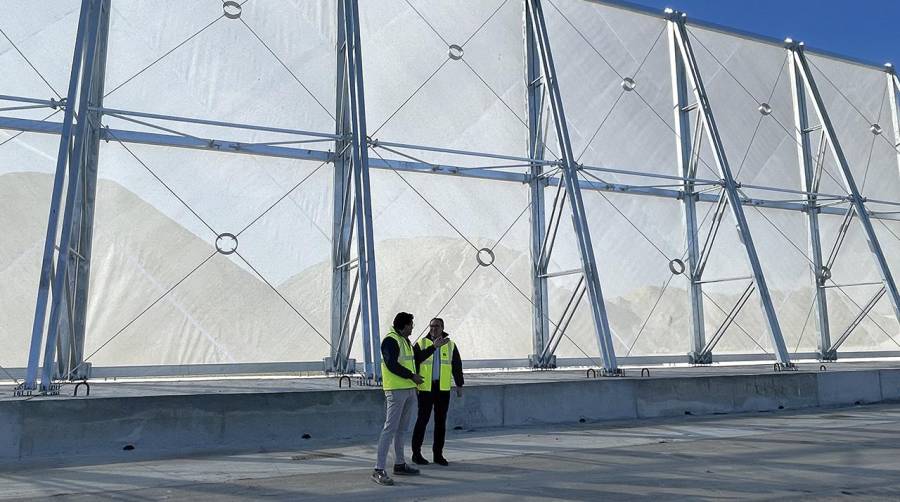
x=441 y=461
x=381 y=477
x=419 y=459
x=405 y=470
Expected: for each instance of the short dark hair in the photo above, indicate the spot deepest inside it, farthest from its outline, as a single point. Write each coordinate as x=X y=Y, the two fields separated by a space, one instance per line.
x=401 y=320
x=438 y=319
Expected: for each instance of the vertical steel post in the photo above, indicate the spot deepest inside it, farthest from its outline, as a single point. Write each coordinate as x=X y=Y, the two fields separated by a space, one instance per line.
x=677 y=24
x=685 y=153
x=808 y=175
x=45 y=280
x=364 y=234
x=74 y=176
x=342 y=230
x=573 y=188
x=535 y=88
x=84 y=216
x=856 y=198
x=893 y=87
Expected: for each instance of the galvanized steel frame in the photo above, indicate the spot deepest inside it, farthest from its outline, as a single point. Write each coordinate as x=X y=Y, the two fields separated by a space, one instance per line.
x=809 y=179
x=569 y=176
x=60 y=287
x=856 y=199
x=686 y=145
x=693 y=79
x=537 y=185
x=350 y=158
x=365 y=241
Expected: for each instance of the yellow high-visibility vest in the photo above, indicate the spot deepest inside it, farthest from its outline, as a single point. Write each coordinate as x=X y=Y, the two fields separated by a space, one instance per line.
x=446 y=355
x=391 y=381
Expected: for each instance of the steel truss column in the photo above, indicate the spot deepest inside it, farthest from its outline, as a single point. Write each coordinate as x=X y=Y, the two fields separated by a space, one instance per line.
x=573 y=190
x=809 y=178
x=856 y=199
x=362 y=205
x=893 y=84
x=535 y=89
x=73 y=147
x=694 y=80
x=686 y=169
x=71 y=360
x=343 y=213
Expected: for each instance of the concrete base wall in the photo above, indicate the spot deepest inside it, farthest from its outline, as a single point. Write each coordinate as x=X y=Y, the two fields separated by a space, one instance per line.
x=82 y=430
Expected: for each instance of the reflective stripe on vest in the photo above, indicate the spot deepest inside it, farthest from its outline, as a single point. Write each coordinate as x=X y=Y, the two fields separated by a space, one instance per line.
x=391 y=381
x=446 y=353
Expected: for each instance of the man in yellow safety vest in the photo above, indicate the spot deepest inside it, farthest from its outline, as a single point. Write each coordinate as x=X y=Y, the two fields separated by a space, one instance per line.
x=399 y=380
x=434 y=392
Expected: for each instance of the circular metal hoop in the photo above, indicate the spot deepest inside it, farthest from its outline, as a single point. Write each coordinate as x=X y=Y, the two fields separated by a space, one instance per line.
x=455 y=52
x=676 y=266
x=765 y=109
x=226 y=243
x=485 y=257
x=825 y=273
x=231 y=9
x=628 y=84
x=876 y=129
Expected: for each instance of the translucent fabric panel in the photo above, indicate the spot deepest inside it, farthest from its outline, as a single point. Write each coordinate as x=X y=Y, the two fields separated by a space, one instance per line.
x=418 y=92
x=36 y=54
x=648 y=307
x=428 y=231
x=855 y=279
x=889 y=237
x=161 y=293
x=878 y=331
x=740 y=75
x=781 y=243
x=595 y=47
x=273 y=66
x=35 y=60
x=26 y=181
x=855 y=97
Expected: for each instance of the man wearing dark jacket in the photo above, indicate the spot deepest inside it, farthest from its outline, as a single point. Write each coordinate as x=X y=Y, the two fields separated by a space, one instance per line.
x=435 y=367
x=399 y=380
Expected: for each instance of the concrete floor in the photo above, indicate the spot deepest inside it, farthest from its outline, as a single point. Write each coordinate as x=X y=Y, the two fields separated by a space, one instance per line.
x=821 y=454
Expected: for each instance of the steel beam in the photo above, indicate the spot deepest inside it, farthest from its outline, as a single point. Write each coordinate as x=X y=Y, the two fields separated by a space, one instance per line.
x=809 y=177
x=857 y=320
x=694 y=80
x=171 y=140
x=547 y=357
x=856 y=198
x=539 y=292
x=573 y=189
x=729 y=319
x=685 y=153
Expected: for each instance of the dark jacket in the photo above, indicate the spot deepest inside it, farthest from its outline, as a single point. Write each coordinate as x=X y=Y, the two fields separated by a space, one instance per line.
x=455 y=362
x=390 y=354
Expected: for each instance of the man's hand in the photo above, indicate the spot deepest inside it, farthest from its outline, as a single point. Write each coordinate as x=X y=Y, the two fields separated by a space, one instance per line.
x=440 y=342
x=459 y=392
x=418 y=379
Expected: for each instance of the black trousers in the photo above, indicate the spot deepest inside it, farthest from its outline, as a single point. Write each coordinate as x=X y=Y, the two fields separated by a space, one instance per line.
x=440 y=401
